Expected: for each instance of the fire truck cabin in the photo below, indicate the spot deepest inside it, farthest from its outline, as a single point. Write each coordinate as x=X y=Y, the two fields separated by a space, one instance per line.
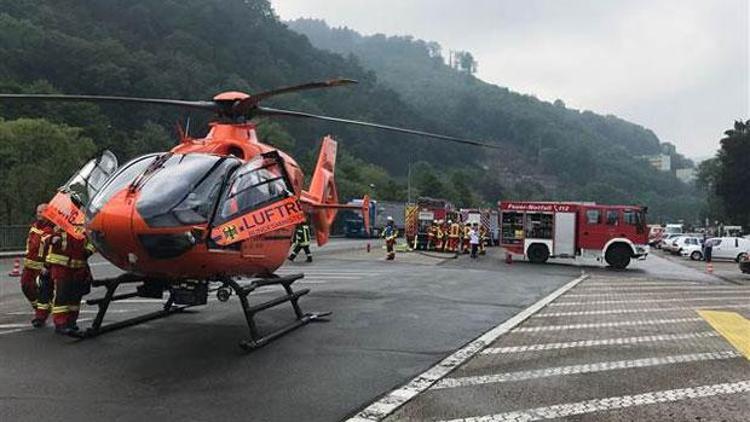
x=543 y=230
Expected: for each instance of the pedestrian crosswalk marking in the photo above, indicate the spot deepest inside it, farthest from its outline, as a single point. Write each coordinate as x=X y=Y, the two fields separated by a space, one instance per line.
x=733 y=327
x=612 y=403
x=582 y=369
x=597 y=342
x=631 y=311
x=652 y=293
x=604 y=325
x=679 y=299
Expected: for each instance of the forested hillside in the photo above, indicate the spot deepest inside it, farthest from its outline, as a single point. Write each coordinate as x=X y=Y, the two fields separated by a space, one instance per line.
x=576 y=154
x=193 y=49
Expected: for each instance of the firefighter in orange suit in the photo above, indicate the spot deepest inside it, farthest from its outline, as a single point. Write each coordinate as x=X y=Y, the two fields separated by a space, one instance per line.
x=482 y=240
x=439 y=236
x=33 y=264
x=431 y=235
x=70 y=273
x=453 y=236
x=465 y=244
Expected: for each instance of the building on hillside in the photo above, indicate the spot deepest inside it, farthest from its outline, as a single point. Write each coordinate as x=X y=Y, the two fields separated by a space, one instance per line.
x=686 y=175
x=661 y=162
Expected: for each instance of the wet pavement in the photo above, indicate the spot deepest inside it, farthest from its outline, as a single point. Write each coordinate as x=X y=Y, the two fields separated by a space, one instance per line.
x=625 y=345
x=613 y=347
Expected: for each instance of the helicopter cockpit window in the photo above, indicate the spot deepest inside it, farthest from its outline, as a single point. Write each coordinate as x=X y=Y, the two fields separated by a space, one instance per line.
x=124 y=176
x=255 y=184
x=90 y=179
x=184 y=190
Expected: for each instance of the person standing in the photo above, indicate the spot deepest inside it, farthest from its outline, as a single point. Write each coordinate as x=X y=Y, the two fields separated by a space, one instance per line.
x=482 y=240
x=390 y=233
x=33 y=265
x=431 y=235
x=474 y=240
x=71 y=276
x=302 y=241
x=465 y=244
x=453 y=236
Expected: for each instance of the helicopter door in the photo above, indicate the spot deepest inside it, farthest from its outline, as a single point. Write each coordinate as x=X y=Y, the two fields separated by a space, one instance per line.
x=66 y=208
x=258 y=199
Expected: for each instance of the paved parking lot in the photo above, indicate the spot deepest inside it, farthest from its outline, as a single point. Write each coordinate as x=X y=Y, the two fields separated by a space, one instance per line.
x=611 y=348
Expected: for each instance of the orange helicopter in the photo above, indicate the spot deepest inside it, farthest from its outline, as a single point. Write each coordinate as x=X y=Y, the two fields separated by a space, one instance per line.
x=205 y=215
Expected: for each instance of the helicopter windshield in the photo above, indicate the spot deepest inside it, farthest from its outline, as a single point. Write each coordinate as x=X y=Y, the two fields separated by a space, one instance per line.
x=90 y=179
x=122 y=178
x=183 y=191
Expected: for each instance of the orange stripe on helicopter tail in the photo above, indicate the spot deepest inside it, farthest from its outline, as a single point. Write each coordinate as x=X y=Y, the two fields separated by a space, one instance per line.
x=287 y=212
x=65 y=214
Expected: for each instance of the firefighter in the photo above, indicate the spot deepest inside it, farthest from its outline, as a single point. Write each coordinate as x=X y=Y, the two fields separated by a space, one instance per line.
x=453 y=236
x=33 y=265
x=482 y=240
x=431 y=235
x=439 y=236
x=70 y=275
x=301 y=241
x=465 y=239
x=390 y=233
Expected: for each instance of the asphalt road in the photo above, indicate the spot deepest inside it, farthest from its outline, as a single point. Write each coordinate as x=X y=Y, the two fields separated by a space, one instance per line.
x=391 y=321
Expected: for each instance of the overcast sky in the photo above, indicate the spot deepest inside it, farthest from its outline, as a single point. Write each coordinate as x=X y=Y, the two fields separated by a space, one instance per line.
x=679 y=67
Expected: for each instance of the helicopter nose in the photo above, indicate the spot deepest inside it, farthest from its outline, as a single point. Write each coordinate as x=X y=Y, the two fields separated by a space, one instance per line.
x=110 y=231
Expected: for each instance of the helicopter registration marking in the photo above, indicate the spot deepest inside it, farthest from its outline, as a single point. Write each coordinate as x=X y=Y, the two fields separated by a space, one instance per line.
x=65 y=214
x=287 y=212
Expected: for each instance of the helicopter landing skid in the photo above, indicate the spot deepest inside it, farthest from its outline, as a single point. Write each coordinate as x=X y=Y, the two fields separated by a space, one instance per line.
x=257 y=340
x=97 y=327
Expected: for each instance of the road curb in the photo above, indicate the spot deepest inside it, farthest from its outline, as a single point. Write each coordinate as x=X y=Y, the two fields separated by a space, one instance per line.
x=387 y=404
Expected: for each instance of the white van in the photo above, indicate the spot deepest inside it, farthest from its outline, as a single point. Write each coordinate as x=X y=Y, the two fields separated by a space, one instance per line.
x=728 y=247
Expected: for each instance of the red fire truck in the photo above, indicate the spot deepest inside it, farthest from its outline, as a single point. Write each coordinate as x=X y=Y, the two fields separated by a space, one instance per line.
x=543 y=230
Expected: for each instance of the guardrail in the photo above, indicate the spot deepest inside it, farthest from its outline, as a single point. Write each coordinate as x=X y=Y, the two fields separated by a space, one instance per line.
x=13 y=238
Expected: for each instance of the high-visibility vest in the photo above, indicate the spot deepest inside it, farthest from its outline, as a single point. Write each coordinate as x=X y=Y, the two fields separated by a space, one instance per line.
x=455 y=230
x=68 y=251
x=36 y=245
x=302 y=235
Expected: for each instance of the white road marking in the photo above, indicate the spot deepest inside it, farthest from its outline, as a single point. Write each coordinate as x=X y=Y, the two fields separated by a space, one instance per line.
x=398 y=397
x=597 y=342
x=679 y=299
x=612 y=403
x=17 y=330
x=643 y=284
x=4 y=326
x=634 y=311
x=652 y=293
x=583 y=369
x=649 y=288
x=605 y=325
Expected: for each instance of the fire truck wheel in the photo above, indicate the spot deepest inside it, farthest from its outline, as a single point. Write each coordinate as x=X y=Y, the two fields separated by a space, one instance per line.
x=538 y=253
x=618 y=256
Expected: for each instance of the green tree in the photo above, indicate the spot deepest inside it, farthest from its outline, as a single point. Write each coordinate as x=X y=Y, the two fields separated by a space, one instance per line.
x=36 y=157
x=733 y=177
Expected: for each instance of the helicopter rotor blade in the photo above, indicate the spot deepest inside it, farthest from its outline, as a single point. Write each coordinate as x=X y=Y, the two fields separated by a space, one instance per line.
x=245 y=106
x=201 y=105
x=266 y=111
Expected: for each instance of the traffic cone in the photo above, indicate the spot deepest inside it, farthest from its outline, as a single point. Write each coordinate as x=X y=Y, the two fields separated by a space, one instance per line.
x=16 y=271
x=508 y=258
x=710 y=267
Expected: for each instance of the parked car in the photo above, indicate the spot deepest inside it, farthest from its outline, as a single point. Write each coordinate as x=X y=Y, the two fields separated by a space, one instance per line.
x=745 y=263
x=681 y=242
x=728 y=247
x=666 y=239
x=695 y=252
